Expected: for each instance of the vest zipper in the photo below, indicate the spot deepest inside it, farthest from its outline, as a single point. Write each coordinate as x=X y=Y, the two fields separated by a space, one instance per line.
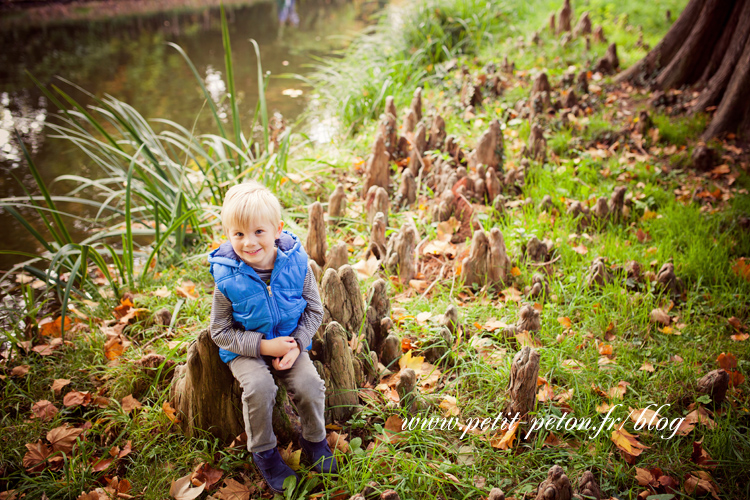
x=270 y=293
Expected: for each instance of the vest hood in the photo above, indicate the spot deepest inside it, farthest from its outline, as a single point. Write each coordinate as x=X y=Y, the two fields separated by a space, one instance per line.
x=288 y=243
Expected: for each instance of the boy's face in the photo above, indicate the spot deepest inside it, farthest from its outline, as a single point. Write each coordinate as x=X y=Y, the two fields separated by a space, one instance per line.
x=255 y=244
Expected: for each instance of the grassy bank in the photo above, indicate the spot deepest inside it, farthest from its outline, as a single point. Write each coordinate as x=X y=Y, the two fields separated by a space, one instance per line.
x=600 y=346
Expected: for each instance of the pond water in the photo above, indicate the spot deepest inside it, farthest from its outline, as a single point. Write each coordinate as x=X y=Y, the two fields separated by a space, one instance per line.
x=127 y=57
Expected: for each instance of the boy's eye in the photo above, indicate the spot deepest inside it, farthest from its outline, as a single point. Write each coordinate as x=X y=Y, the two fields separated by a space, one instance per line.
x=258 y=231
x=238 y=234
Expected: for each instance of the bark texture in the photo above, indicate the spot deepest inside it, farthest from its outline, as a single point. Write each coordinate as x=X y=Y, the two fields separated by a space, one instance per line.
x=377 y=167
x=336 y=205
x=715 y=384
x=556 y=486
x=316 y=245
x=341 y=386
x=708 y=47
x=399 y=257
x=524 y=371
x=207 y=397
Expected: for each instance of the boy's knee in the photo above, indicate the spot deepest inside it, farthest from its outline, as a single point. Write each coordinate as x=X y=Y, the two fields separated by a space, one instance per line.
x=260 y=387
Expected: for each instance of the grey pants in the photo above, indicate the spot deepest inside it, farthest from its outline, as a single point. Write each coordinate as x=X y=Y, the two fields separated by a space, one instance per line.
x=256 y=376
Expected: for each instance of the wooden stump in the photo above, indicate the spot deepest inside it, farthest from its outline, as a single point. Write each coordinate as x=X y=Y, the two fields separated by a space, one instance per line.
x=598 y=35
x=566 y=15
x=715 y=384
x=416 y=103
x=489 y=150
x=409 y=122
x=377 y=201
x=342 y=300
x=418 y=146
x=537 y=145
x=488 y=261
x=377 y=171
x=588 y=487
x=316 y=244
x=524 y=372
x=407 y=192
x=528 y=320
x=437 y=134
x=336 y=205
x=598 y=274
x=377 y=237
x=583 y=27
x=207 y=397
x=338 y=256
x=378 y=317
x=387 y=127
x=667 y=281
x=400 y=253
x=617 y=203
x=341 y=387
x=556 y=486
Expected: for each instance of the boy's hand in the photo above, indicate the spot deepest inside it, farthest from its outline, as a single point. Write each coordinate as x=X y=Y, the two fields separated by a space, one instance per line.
x=288 y=360
x=277 y=347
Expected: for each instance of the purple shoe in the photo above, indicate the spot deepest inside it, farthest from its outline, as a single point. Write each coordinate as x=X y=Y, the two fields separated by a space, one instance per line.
x=273 y=469
x=319 y=455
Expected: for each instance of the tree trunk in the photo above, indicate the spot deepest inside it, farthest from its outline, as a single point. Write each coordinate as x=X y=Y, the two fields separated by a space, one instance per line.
x=207 y=397
x=708 y=47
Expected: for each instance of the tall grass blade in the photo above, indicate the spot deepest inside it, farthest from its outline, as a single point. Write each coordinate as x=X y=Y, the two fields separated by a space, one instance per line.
x=230 y=78
x=262 y=97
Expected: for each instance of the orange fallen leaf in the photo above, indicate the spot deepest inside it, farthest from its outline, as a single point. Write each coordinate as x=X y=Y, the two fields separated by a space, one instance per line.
x=170 y=412
x=627 y=442
x=76 y=398
x=63 y=438
x=50 y=328
x=565 y=322
x=129 y=403
x=618 y=391
x=44 y=410
x=506 y=442
x=727 y=361
x=605 y=349
x=122 y=309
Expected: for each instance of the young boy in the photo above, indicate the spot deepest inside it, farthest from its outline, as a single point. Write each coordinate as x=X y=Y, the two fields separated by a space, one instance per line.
x=266 y=309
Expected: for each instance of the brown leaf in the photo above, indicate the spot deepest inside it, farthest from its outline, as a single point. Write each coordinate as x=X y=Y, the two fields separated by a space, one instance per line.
x=63 y=438
x=44 y=410
x=647 y=367
x=701 y=456
x=627 y=442
x=75 y=398
x=180 y=489
x=36 y=456
x=700 y=483
x=618 y=391
x=187 y=290
x=234 y=490
x=338 y=441
x=126 y=450
x=114 y=347
x=58 y=384
x=644 y=477
x=170 y=413
x=20 y=371
x=122 y=309
x=205 y=474
x=129 y=403
x=727 y=361
x=102 y=465
x=660 y=316
x=565 y=322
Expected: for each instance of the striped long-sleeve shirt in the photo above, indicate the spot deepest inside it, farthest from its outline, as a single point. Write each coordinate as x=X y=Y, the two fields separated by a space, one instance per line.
x=229 y=335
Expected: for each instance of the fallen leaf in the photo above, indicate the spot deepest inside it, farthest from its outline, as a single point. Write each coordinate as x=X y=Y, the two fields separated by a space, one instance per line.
x=338 y=441
x=58 y=384
x=129 y=403
x=644 y=477
x=739 y=337
x=122 y=309
x=565 y=322
x=181 y=489
x=526 y=338
x=162 y=292
x=646 y=367
x=50 y=328
x=291 y=457
x=506 y=442
x=449 y=406
x=409 y=361
x=701 y=457
x=605 y=349
x=742 y=268
x=512 y=294
x=20 y=371
x=76 y=398
x=727 y=361
x=44 y=410
x=63 y=438
x=660 y=316
x=514 y=271
x=170 y=413
x=206 y=475
x=492 y=324
x=114 y=347
x=36 y=455
x=581 y=249
x=618 y=391
x=423 y=316
x=367 y=268
x=627 y=442
x=186 y=290
x=699 y=483
x=234 y=490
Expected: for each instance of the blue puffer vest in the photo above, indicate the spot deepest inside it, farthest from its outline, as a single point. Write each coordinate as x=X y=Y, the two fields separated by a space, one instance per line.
x=273 y=309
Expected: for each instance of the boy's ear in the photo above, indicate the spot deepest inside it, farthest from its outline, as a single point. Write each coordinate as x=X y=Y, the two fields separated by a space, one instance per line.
x=281 y=226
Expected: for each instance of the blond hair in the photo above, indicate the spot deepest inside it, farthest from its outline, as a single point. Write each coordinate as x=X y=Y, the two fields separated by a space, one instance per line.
x=248 y=203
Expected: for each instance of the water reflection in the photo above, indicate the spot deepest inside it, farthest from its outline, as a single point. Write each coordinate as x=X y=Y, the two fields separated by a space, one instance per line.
x=129 y=59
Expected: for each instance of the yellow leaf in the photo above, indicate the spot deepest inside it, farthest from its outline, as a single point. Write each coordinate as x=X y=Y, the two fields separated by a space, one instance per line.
x=170 y=412
x=565 y=322
x=515 y=271
x=409 y=361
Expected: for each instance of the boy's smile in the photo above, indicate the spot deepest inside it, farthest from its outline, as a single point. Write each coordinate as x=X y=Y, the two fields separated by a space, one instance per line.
x=255 y=244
